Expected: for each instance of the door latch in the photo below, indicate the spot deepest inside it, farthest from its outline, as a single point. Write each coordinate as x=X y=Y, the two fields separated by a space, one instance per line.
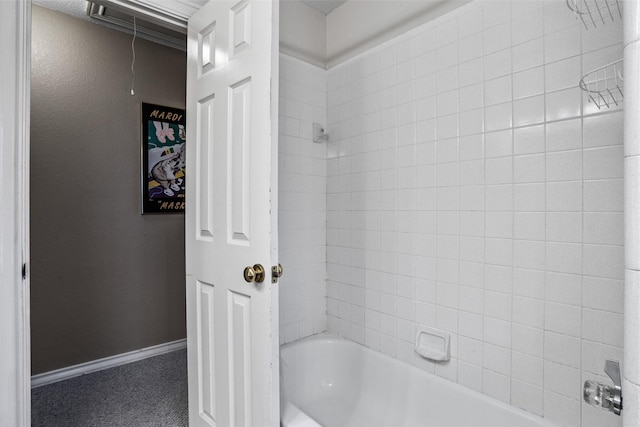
x=276 y=273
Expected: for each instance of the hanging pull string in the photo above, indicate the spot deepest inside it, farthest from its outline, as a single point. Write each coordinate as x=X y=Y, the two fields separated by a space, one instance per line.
x=133 y=60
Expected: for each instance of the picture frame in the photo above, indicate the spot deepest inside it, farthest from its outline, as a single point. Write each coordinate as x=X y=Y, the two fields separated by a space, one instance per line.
x=163 y=168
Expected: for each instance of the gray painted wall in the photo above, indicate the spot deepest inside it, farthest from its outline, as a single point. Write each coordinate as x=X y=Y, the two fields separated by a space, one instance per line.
x=105 y=279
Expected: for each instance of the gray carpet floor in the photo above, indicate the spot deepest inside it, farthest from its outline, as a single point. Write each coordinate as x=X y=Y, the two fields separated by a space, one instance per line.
x=151 y=392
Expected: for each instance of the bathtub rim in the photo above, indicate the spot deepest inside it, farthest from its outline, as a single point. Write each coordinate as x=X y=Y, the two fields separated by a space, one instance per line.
x=328 y=337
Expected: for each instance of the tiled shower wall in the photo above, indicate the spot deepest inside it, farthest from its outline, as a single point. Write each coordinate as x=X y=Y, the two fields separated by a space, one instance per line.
x=302 y=200
x=471 y=187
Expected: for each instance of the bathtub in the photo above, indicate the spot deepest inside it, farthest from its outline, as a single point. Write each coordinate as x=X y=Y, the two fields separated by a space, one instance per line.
x=331 y=382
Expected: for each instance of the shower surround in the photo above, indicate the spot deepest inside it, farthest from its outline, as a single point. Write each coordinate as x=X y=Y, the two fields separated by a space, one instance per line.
x=302 y=176
x=470 y=187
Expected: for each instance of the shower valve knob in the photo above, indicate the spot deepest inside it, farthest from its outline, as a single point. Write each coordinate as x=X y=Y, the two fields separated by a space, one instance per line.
x=254 y=274
x=605 y=396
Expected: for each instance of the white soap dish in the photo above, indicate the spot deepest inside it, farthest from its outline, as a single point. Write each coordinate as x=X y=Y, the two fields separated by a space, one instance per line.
x=433 y=344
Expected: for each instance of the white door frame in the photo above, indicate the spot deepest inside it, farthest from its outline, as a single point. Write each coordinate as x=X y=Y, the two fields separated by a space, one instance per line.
x=15 y=365
x=15 y=337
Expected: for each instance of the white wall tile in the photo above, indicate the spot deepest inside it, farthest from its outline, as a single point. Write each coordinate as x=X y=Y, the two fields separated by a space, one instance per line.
x=529 y=197
x=564 y=196
x=562 y=349
x=528 y=340
x=602 y=163
x=470 y=375
x=562 y=74
x=527 y=397
x=470 y=72
x=497 y=359
x=564 y=227
x=563 y=318
x=528 y=55
x=528 y=312
x=497 y=38
x=603 y=294
x=529 y=140
x=604 y=261
x=529 y=225
x=302 y=179
x=495 y=13
x=562 y=410
x=528 y=111
x=497 y=90
x=603 y=130
x=564 y=166
x=498 y=117
x=603 y=195
x=527 y=27
x=528 y=83
x=563 y=104
x=496 y=385
x=497 y=64
x=602 y=326
x=470 y=188
x=604 y=228
x=564 y=135
x=557 y=17
x=470 y=48
x=498 y=144
x=563 y=288
x=529 y=254
x=561 y=379
x=562 y=44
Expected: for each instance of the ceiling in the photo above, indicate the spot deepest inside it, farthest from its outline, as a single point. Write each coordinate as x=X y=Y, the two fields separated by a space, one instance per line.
x=78 y=8
x=165 y=29
x=339 y=30
x=162 y=22
x=324 y=6
x=75 y=8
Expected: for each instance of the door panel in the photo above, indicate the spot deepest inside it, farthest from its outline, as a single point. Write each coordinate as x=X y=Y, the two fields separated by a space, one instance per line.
x=232 y=331
x=206 y=353
x=239 y=150
x=240 y=357
x=204 y=154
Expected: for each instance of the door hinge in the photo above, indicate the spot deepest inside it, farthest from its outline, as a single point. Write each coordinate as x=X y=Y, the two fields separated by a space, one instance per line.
x=24 y=271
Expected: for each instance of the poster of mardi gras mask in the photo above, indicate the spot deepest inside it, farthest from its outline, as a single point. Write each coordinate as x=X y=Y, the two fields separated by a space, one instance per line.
x=163 y=159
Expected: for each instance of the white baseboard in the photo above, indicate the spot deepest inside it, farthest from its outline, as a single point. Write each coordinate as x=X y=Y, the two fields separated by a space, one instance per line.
x=106 y=363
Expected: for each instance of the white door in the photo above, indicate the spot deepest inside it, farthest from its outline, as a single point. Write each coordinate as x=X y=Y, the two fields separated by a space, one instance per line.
x=232 y=325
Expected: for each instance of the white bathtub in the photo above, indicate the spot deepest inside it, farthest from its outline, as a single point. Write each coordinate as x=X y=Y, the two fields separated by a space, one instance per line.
x=331 y=382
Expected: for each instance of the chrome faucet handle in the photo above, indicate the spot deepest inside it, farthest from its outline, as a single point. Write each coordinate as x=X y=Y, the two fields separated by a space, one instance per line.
x=612 y=369
x=604 y=396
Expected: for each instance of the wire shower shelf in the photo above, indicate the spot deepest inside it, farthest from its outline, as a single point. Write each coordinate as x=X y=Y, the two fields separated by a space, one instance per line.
x=596 y=12
x=604 y=85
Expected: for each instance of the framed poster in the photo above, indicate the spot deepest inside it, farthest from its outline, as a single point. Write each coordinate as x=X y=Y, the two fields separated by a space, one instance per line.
x=163 y=159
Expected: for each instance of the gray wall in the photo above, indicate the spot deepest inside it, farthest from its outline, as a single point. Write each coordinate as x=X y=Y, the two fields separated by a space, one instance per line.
x=105 y=279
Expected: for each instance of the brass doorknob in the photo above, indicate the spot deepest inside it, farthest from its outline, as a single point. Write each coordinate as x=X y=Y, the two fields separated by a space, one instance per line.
x=254 y=274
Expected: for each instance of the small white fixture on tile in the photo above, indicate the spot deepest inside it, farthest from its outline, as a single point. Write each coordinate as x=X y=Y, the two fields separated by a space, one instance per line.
x=433 y=344
x=319 y=133
x=604 y=85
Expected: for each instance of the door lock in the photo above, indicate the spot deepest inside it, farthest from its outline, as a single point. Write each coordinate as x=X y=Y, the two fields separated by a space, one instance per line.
x=276 y=272
x=254 y=274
